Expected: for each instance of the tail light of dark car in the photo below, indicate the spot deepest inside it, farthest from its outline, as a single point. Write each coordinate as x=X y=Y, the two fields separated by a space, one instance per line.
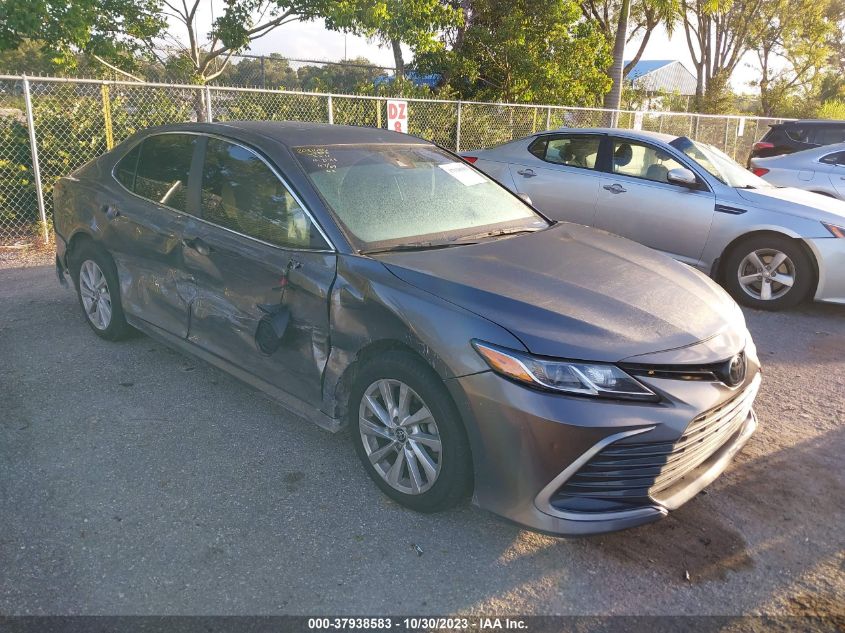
x=761 y=145
x=470 y=159
x=759 y=171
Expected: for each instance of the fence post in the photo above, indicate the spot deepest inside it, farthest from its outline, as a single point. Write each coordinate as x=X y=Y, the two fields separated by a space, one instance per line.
x=549 y=118
x=378 y=112
x=331 y=110
x=104 y=91
x=458 y=130
x=36 y=171
x=209 y=113
x=697 y=121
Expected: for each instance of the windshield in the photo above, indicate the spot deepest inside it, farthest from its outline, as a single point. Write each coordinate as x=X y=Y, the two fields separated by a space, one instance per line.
x=394 y=194
x=719 y=164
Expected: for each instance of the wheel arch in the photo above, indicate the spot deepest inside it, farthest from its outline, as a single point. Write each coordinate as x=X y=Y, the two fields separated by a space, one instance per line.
x=720 y=270
x=74 y=243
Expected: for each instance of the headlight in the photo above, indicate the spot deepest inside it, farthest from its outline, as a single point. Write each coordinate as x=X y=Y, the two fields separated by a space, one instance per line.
x=836 y=231
x=600 y=380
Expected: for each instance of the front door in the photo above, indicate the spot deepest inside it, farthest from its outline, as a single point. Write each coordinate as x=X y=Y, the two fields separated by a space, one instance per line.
x=637 y=201
x=559 y=174
x=263 y=273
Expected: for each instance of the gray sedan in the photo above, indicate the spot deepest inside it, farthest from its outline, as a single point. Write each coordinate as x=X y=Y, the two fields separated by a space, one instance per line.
x=820 y=169
x=770 y=247
x=565 y=378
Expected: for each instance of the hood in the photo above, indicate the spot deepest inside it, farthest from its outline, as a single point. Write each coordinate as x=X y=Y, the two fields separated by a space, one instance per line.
x=575 y=292
x=797 y=202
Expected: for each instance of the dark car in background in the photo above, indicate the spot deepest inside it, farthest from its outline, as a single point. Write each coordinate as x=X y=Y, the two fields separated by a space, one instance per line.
x=796 y=136
x=570 y=380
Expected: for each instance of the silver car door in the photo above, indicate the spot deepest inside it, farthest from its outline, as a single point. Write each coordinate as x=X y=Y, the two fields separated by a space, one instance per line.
x=833 y=167
x=636 y=201
x=559 y=173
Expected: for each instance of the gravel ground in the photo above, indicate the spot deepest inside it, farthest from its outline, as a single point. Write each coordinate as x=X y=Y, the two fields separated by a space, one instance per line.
x=135 y=480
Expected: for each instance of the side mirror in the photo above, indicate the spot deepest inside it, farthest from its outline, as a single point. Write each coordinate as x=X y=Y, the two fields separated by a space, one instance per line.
x=525 y=198
x=682 y=176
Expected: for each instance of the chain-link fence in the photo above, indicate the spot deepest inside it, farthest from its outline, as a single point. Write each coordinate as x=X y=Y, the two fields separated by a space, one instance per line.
x=51 y=126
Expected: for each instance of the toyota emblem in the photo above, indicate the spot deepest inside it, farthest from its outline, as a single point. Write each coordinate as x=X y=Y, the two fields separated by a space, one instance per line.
x=736 y=369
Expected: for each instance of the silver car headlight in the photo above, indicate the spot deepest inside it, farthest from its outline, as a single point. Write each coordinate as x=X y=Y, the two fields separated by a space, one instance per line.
x=600 y=380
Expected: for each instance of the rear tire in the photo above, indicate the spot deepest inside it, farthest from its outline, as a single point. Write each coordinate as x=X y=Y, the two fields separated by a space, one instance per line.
x=769 y=272
x=421 y=461
x=98 y=289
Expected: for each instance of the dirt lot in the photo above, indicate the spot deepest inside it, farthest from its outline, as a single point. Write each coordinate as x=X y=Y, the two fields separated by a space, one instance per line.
x=135 y=480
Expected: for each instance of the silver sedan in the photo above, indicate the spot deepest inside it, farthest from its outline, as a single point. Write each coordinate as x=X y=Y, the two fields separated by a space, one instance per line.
x=771 y=247
x=820 y=169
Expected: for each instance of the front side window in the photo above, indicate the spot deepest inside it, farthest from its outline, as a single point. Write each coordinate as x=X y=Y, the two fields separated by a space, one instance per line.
x=642 y=161
x=572 y=151
x=164 y=165
x=393 y=194
x=241 y=193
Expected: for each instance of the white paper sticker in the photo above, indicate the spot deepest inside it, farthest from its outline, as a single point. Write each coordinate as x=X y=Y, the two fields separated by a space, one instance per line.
x=741 y=130
x=397 y=115
x=463 y=173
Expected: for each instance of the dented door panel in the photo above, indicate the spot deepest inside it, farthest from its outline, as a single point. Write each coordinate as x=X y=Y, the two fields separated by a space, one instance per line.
x=239 y=282
x=145 y=240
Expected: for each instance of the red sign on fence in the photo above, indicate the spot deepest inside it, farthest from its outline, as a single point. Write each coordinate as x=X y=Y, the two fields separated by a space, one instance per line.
x=397 y=116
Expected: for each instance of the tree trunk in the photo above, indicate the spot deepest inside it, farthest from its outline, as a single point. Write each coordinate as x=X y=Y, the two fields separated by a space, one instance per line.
x=613 y=99
x=398 y=61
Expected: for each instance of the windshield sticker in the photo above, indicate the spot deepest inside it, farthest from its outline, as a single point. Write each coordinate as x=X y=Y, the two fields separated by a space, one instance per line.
x=463 y=174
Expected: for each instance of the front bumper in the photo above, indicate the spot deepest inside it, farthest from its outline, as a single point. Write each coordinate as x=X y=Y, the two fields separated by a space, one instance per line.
x=528 y=444
x=830 y=256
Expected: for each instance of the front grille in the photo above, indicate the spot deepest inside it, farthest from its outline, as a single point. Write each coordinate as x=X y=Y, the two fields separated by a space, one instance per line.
x=625 y=475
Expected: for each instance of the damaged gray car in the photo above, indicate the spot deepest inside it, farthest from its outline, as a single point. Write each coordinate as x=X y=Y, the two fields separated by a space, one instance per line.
x=567 y=379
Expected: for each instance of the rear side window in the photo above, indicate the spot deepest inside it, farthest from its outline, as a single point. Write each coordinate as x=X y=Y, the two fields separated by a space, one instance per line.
x=163 y=166
x=572 y=151
x=829 y=135
x=124 y=171
x=837 y=158
x=798 y=134
x=642 y=161
x=239 y=192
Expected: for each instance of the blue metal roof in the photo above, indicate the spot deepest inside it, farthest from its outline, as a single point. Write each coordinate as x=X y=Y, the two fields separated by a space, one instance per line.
x=421 y=80
x=645 y=66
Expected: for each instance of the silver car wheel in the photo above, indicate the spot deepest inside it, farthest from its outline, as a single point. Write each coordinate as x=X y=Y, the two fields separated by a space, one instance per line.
x=94 y=291
x=766 y=274
x=400 y=436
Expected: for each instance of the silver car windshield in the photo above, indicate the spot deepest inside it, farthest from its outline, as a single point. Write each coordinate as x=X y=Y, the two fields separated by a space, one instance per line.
x=393 y=194
x=719 y=164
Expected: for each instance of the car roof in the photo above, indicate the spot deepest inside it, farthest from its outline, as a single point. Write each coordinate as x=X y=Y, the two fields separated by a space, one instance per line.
x=296 y=133
x=810 y=122
x=642 y=134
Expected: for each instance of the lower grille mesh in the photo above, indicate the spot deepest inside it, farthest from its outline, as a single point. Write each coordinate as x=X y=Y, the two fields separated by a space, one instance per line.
x=624 y=475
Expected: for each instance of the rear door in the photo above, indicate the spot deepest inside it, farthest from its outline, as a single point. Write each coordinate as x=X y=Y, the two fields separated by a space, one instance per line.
x=263 y=271
x=560 y=172
x=636 y=201
x=145 y=229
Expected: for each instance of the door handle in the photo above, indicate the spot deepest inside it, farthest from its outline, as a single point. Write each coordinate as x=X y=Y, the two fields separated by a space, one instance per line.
x=615 y=188
x=111 y=211
x=198 y=245
x=528 y=173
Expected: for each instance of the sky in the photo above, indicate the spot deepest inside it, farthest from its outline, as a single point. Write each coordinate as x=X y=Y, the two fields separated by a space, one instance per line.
x=311 y=40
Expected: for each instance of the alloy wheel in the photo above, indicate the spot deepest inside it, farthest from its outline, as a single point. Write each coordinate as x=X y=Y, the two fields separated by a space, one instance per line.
x=400 y=436
x=96 y=298
x=766 y=274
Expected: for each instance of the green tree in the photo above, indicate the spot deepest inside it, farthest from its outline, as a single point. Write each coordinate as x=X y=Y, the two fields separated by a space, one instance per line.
x=794 y=43
x=624 y=22
x=718 y=34
x=524 y=51
x=412 y=22
x=111 y=31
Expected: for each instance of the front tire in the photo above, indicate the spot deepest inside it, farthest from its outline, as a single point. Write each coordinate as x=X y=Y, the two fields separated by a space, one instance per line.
x=408 y=433
x=769 y=272
x=95 y=277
